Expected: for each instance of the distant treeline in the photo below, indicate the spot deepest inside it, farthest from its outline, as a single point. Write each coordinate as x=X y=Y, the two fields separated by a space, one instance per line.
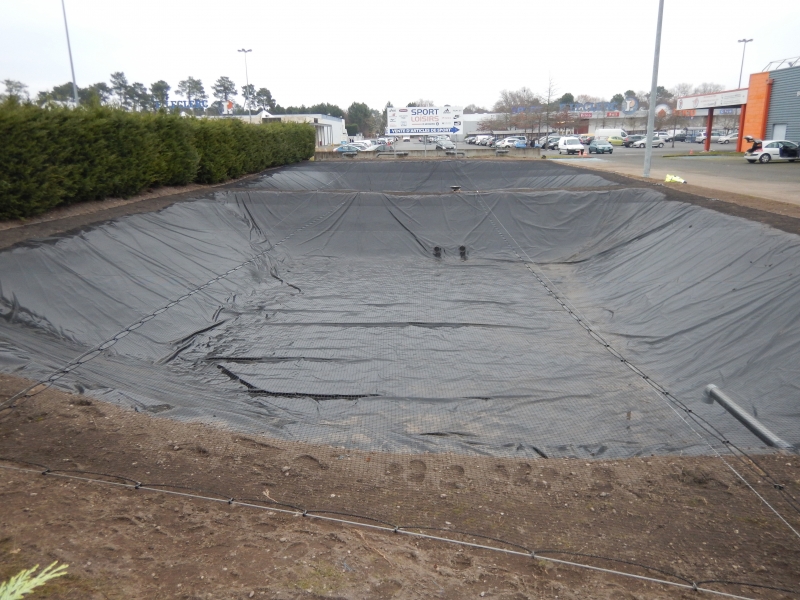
x=58 y=156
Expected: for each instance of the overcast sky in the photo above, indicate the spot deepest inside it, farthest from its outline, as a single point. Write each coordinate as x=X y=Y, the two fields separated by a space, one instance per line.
x=371 y=51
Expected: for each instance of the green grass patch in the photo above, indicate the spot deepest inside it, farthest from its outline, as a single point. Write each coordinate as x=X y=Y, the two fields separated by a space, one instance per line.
x=702 y=154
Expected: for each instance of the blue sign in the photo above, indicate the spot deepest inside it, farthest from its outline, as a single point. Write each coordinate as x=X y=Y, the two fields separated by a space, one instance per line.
x=184 y=104
x=630 y=105
x=426 y=130
x=588 y=107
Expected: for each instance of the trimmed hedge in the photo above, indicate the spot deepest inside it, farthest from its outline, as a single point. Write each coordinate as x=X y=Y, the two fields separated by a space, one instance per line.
x=54 y=157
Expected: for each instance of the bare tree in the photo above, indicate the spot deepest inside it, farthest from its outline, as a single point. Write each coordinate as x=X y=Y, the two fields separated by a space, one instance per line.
x=681 y=89
x=421 y=102
x=548 y=99
x=474 y=109
x=708 y=88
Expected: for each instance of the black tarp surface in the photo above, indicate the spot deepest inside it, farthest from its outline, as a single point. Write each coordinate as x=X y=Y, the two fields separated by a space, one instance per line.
x=343 y=327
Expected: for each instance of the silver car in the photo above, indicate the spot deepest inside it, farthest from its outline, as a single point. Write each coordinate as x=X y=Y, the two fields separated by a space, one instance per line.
x=769 y=150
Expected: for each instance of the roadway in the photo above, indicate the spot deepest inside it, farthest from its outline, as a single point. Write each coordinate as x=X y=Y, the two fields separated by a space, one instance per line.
x=731 y=173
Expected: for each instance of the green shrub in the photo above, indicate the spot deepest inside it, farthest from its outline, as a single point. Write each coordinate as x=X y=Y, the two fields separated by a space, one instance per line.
x=57 y=156
x=25 y=582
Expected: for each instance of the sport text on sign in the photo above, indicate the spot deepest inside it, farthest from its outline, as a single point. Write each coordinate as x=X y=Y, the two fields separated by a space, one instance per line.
x=424 y=119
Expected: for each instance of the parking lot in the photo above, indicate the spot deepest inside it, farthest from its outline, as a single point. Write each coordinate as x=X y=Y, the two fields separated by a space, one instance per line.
x=728 y=172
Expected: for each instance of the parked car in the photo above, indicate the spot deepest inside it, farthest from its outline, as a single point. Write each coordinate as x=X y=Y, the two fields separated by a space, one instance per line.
x=731 y=137
x=585 y=138
x=486 y=141
x=470 y=139
x=615 y=140
x=769 y=150
x=384 y=148
x=681 y=136
x=506 y=142
x=629 y=140
x=406 y=138
x=445 y=144
x=348 y=148
x=570 y=145
x=521 y=144
x=552 y=143
x=657 y=142
x=600 y=147
x=715 y=135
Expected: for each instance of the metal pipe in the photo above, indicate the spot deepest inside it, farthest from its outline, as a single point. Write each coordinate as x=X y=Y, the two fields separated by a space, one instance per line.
x=247 y=81
x=69 y=49
x=764 y=434
x=651 y=112
x=709 y=126
x=741 y=70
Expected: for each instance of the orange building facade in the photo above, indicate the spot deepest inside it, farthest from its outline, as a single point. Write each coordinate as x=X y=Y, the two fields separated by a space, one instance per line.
x=753 y=120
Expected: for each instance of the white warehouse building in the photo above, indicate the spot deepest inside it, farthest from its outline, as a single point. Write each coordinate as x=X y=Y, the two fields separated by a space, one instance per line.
x=330 y=130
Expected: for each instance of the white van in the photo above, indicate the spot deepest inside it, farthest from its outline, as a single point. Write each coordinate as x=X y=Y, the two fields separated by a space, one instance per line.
x=570 y=145
x=604 y=134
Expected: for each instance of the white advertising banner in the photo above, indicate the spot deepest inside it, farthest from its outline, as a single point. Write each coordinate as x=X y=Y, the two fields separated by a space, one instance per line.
x=424 y=120
x=730 y=98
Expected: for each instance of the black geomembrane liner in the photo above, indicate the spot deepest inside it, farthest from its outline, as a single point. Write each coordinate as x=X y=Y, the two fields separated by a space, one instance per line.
x=355 y=330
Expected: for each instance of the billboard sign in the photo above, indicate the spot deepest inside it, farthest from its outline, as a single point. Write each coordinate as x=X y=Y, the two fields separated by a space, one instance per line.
x=730 y=98
x=424 y=120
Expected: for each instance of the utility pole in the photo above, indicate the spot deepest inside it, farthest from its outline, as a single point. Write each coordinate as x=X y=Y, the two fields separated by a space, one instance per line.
x=247 y=80
x=69 y=49
x=742 y=68
x=651 y=113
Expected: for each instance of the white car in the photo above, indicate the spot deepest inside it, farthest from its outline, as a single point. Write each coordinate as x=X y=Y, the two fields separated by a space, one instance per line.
x=406 y=138
x=702 y=137
x=365 y=145
x=657 y=142
x=731 y=137
x=508 y=142
x=770 y=150
x=570 y=145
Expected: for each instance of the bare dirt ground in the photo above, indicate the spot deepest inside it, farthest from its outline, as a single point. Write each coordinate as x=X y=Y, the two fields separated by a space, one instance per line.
x=688 y=517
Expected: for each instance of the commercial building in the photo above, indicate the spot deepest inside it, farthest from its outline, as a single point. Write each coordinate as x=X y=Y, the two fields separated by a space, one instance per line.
x=330 y=130
x=769 y=108
x=773 y=104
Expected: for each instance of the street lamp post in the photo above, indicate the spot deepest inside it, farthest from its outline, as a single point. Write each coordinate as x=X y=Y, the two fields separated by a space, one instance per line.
x=247 y=80
x=651 y=113
x=69 y=49
x=745 y=41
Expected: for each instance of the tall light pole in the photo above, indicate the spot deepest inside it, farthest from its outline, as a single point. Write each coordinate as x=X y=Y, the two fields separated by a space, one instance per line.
x=69 y=49
x=247 y=80
x=651 y=113
x=743 y=49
